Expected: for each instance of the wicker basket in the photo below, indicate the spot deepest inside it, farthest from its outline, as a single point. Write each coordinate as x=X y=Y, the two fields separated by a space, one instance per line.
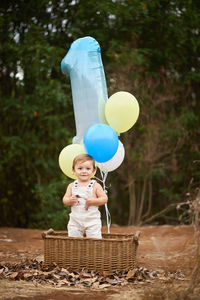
x=114 y=252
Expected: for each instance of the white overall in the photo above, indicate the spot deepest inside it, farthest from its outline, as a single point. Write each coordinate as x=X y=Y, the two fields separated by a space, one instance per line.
x=81 y=220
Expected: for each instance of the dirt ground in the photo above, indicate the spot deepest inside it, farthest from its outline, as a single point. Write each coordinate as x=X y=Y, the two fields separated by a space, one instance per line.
x=168 y=248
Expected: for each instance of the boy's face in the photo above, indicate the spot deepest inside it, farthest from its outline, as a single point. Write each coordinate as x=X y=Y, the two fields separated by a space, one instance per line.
x=84 y=170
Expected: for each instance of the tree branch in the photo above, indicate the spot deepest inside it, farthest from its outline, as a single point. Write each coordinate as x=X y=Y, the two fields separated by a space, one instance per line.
x=162 y=212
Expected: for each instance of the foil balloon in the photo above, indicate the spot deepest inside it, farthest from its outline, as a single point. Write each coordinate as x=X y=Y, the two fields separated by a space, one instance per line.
x=84 y=65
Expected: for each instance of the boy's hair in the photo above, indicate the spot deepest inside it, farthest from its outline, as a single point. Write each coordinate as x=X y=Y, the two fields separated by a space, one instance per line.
x=83 y=158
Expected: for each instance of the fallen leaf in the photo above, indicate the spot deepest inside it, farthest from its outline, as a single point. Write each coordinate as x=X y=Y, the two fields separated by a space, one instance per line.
x=63 y=270
x=95 y=284
x=56 y=277
x=14 y=276
x=112 y=281
x=131 y=274
x=63 y=282
x=27 y=276
x=104 y=286
x=86 y=275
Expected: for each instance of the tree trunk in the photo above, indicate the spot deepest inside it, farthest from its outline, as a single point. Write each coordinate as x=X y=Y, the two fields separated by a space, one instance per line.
x=149 y=199
x=139 y=215
x=130 y=181
x=132 y=201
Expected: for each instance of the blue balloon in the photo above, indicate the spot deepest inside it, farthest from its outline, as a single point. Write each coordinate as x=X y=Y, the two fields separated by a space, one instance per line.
x=84 y=65
x=101 y=142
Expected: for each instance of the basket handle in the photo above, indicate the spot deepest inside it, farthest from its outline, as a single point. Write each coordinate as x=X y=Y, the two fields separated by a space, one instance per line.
x=135 y=240
x=136 y=237
x=45 y=233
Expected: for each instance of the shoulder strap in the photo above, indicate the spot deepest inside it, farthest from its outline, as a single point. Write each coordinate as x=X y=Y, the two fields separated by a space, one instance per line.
x=90 y=185
x=76 y=183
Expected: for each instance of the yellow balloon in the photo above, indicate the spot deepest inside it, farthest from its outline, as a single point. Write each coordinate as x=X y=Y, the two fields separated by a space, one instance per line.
x=67 y=156
x=122 y=111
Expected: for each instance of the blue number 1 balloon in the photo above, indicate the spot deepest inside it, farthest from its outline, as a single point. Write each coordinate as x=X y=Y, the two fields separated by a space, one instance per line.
x=89 y=91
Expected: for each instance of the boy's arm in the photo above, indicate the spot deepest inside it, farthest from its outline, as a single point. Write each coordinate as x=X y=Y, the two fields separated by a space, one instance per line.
x=99 y=198
x=68 y=199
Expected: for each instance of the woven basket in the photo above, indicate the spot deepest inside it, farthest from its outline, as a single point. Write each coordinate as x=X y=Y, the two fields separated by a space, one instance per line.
x=114 y=252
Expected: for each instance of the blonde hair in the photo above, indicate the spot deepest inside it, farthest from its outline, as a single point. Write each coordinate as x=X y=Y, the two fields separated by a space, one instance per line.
x=83 y=158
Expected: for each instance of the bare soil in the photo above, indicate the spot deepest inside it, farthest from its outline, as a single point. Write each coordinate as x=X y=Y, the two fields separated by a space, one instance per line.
x=168 y=248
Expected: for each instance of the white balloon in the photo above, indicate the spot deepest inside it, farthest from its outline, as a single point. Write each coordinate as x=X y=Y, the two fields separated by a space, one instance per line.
x=115 y=161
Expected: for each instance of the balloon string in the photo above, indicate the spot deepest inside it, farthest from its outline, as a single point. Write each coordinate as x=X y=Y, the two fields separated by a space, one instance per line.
x=108 y=216
x=98 y=178
x=106 y=187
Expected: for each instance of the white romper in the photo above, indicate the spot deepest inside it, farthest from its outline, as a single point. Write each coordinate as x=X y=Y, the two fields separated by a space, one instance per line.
x=81 y=220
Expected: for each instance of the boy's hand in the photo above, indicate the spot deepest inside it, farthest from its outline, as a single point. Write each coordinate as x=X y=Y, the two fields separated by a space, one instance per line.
x=74 y=200
x=89 y=202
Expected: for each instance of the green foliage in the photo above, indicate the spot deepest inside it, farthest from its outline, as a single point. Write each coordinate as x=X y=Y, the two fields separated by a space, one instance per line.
x=52 y=213
x=36 y=113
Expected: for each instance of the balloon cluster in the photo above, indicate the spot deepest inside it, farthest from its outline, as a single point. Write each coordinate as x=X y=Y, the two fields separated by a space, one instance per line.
x=99 y=119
